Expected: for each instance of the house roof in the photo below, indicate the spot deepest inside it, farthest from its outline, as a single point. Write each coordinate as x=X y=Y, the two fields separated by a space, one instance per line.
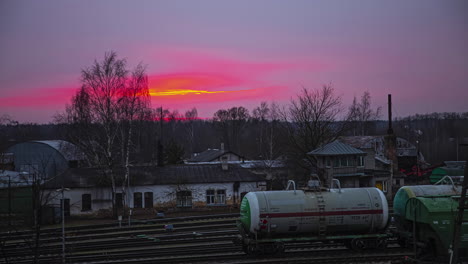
x=361 y=142
x=210 y=155
x=336 y=148
x=168 y=175
x=455 y=164
x=68 y=150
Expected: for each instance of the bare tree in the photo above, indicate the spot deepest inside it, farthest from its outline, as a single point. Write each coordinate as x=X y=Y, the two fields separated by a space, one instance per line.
x=102 y=114
x=363 y=114
x=313 y=119
x=135 y=103
x=231 y=122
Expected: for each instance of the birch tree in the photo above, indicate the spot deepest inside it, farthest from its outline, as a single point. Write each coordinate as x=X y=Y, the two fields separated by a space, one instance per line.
x=102 y=114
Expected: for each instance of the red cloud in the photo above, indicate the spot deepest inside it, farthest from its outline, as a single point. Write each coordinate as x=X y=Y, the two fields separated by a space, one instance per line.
x=44 y=97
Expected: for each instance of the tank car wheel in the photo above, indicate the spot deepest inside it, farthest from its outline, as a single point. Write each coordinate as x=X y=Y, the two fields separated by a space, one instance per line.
x=280 y=248
x=381 y=243
x=358 y=244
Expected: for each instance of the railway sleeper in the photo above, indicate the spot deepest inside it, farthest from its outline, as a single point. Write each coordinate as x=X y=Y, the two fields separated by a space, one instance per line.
x=263 y=248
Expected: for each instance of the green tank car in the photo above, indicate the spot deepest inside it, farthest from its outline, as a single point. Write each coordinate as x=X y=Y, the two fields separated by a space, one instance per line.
x=430 y=210
x=433 y=220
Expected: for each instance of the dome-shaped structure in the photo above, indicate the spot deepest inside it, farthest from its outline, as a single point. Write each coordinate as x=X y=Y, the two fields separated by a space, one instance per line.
x=46 y=158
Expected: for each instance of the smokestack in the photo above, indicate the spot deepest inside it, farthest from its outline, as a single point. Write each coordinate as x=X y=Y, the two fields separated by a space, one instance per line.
x=390 y=129
x=222 y=147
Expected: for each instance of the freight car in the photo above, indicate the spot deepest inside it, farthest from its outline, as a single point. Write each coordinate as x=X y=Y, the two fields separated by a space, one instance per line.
x=405 y=193
x=357 y=217
x=425 y=217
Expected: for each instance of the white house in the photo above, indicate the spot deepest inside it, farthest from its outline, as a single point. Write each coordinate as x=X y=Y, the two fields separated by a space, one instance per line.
x=158 y=188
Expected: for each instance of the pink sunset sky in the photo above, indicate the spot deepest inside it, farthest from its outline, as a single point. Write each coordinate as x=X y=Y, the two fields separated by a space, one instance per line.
x=218 y=54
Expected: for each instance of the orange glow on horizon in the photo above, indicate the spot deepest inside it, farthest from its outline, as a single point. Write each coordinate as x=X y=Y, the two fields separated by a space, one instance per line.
x=154 y=92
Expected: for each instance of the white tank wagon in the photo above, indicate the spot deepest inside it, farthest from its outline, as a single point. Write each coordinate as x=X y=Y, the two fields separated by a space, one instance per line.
x=320 y=215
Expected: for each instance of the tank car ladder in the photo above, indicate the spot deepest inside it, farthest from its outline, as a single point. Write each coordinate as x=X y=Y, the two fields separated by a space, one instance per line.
x=321 y=210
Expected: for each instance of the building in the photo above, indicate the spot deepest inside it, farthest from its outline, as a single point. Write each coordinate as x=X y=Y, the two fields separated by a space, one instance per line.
x=275 y=172
x=45 y=159
x=215 y=155
x=174 y=187
x=337 y=160
x=407 y=154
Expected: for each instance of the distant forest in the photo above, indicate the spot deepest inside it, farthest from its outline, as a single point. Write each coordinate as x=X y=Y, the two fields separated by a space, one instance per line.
x=111 y=119
x=438 y=135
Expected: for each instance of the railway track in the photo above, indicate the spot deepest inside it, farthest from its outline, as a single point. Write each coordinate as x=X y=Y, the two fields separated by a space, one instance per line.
x=193 y=240
x=139 y=225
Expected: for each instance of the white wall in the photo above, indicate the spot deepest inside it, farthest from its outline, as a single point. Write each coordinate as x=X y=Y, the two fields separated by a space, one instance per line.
x=163 y=195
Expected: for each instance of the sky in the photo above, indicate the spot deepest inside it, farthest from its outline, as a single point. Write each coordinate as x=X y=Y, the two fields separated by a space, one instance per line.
x=218 y=54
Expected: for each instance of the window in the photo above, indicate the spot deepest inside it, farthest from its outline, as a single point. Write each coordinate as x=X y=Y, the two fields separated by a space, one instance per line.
x=347 y=161
x=118 y=200
x=137 y=200
x=86 y=202
x=220 y=197
x=328 y=161
x=184 y=199
x=382 y=185
x=336 y=162
x=361 y=161
x=210 y=197
x=148 y=199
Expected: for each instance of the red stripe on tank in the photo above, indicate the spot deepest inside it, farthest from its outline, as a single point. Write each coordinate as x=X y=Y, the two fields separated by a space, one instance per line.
x=329 y=213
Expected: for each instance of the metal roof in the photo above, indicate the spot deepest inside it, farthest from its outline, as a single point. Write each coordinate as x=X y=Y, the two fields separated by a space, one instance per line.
x=167 y=175
x=68 y=150
x=362 y=142
x=455 y=164
x=336 y=148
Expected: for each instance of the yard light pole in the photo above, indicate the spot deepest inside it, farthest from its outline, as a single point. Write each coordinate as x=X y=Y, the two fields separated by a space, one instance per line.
x=62 y=190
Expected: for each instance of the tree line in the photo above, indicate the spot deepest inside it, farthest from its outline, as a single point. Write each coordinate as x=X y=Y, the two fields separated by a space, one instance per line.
x=111 y=119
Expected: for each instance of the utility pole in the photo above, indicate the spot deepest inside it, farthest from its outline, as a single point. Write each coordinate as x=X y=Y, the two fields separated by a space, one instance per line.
x=459 y=220
x=62 y=190
x=9 y=200
x=63 y=226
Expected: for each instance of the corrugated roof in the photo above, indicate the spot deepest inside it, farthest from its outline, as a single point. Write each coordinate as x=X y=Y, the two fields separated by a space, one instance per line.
x=168 y=175
x=336 y=148
x=68 y=150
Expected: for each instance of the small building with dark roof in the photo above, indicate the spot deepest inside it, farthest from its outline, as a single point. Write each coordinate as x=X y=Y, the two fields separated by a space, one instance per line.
x=337 y=160
x=158 y=188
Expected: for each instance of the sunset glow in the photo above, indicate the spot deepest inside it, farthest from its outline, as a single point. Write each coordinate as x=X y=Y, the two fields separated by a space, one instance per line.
x=214 y=55
x=154 y=92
